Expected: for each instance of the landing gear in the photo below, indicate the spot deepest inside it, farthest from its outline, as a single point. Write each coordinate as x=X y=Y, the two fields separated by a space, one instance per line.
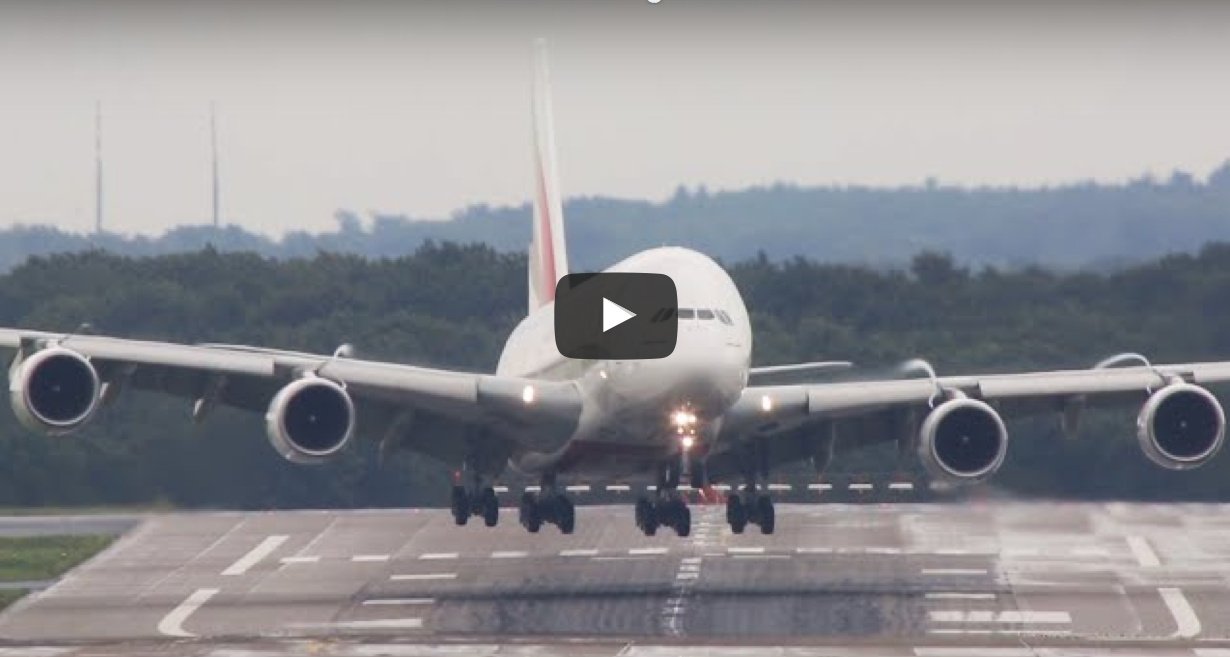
x=667 y=508
x=550 y=506
x=748 y=506
x=483 y=503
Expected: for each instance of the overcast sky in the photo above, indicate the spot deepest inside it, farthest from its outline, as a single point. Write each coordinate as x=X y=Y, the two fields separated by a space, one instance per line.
x=423 y=108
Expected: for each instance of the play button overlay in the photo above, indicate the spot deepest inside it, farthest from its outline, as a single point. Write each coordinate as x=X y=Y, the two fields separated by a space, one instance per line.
x=616 y=316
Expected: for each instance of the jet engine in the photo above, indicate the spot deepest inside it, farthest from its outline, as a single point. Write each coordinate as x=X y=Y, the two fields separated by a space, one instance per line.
x=54 y=390
x=1181 y=426
x=310 y=420
x=962 y=441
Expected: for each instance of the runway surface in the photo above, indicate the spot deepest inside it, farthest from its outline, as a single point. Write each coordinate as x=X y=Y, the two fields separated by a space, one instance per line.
x=988 y=579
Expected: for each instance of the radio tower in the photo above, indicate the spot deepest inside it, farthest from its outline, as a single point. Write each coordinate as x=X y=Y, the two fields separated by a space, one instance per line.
x=98 y=169
x=213 y=147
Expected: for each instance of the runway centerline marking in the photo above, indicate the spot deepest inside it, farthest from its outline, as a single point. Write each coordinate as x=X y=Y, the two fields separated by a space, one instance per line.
x=578 y=553
x=955 y=595
x=1143 y=552
x=954 y=571
x=653 y=550
x=290 y=560
x=745 y=550
x=509 y=554
x=410 y=577
x=1186 y=621
x=437 y=556
x=254 y=556
x=368 y=558
x=173 y=623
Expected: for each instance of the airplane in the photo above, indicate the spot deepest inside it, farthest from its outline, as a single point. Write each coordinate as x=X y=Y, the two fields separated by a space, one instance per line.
x=702 y=414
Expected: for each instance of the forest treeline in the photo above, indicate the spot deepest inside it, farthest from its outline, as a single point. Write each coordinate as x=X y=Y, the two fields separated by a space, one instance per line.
x=1086 y=225
x=452 y=305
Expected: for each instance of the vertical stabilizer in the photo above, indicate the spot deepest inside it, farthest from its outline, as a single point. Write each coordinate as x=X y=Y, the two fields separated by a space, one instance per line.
x=548 y=257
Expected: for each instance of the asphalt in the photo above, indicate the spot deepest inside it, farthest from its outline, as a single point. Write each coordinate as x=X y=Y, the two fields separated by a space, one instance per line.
x=1001 y=579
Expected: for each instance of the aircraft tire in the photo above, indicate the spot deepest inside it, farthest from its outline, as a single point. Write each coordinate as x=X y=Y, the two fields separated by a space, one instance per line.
x=491 y=507
x=460 y=506
x=768 y=518
x=566 y=515
x=530 y=515
x=736 y=514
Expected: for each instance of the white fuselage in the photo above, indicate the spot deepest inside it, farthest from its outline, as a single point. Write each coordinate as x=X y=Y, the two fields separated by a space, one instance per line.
x=627 y=423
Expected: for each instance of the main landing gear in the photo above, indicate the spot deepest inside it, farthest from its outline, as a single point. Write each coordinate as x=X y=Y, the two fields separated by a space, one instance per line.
x=482 y=502
x=748 y=506
x=666 y=508
x=549 y=506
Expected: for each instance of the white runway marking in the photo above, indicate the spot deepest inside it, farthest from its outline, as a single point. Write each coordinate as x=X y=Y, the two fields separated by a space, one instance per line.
x=954 y=571
x=1014 y=616
x=960 y=596
x=814 y=550
x=382 y=624
x=1143 y=552
x=394 y=602
x=819 y=486
x=365 y=558
x=745 y=550
x=509 y=554
x=173 y=623
x=437 y=556
x=290 y=560
x=860 y=486
x=882 y=550
x=1003 y=631
x=578 y=553
x=1188 y=624
x=422 y=576
x=901 y=485
x=253 y=557
x=618 y=488
x=952 y=552
x=654 y=550
x=577 y=488
x=961 y=651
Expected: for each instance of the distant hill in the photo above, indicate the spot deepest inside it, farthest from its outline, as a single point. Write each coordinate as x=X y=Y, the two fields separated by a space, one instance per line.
x=1083 y=225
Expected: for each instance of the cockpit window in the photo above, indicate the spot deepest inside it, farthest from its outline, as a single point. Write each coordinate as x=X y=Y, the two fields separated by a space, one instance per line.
x=704 y=313
x=664 y=315
x=724 y=317
x=687 y=313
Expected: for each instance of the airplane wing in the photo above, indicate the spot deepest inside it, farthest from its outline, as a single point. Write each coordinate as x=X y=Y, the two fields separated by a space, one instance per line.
x=794 y=422
x=386 y=399
x=774 y=374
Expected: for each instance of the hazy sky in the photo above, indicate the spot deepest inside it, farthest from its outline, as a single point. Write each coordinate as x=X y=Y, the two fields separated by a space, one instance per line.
x=423 y=107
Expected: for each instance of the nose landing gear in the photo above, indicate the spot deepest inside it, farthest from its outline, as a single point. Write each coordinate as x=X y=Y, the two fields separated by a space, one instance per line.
x=666 y=508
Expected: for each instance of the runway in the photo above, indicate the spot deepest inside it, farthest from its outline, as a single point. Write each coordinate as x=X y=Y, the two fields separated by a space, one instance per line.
x=836 y=579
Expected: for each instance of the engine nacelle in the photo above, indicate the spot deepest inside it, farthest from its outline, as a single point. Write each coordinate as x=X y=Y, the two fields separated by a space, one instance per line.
x=54 y=390
x=310 y=420
x=962 y=441
x=1181 y=426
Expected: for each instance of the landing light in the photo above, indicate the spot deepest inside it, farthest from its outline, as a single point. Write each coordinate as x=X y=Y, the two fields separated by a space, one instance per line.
x=527 y=394
x=687 y=442
x=683 y=418
x=766 y=403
